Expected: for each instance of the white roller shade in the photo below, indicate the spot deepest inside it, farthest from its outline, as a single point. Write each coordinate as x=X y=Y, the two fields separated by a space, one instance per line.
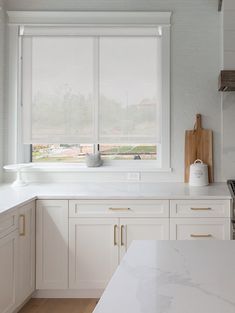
x=130 y=90
x=58 y=90
x=91 y=89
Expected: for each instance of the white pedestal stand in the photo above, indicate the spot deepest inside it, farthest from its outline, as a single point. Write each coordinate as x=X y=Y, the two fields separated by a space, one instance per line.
x=19 y=182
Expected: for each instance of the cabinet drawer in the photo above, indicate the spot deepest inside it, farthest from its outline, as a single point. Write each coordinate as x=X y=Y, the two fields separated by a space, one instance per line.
x=200 y=229
x=119 y=208
x=8 y=223
x=200 y=208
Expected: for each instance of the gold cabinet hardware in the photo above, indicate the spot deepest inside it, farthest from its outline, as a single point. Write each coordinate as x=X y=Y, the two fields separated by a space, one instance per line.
x=115 y=235
x=201 y=236
x=22 y=217
x=122 y=241
x=200 y=209
x=119 y=209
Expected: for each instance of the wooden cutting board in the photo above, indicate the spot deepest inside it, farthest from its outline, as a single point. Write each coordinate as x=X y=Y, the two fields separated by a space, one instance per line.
x=199 y=145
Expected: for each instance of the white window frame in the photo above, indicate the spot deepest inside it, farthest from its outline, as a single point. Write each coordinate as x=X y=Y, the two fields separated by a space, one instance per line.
x=17 y=19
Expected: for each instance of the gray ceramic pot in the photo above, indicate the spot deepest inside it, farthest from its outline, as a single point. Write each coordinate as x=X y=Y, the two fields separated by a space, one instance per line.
x=93 y=160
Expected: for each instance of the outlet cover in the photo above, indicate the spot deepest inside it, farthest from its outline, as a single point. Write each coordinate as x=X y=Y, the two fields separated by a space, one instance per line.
x=133 y=176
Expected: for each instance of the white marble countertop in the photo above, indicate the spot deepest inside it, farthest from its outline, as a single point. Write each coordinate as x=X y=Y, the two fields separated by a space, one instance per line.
x=10 y=197
x=173 y=277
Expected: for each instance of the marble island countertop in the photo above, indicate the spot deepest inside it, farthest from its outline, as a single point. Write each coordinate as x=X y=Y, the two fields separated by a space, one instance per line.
x=11 y=197
x=173 y=277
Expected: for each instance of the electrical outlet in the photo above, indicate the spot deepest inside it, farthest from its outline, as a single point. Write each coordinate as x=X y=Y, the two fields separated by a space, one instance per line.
x=133 y=176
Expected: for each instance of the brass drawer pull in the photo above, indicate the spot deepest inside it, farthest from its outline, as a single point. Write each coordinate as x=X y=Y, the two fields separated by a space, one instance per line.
x=122 y=242
x=115 y=235
x=23 y=232
x=119 y=209
x=201 y=236
x=200 y=209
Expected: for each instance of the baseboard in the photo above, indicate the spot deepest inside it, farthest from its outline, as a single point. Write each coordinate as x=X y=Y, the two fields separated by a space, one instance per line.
x=22 y=304
x=55 y=293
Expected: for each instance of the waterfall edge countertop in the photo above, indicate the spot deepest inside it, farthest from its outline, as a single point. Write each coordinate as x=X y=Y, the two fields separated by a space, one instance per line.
x=11 y=197
x=173 y=277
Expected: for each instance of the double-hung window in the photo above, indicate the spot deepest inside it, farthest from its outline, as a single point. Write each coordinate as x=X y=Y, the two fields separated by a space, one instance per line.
x=89 y=88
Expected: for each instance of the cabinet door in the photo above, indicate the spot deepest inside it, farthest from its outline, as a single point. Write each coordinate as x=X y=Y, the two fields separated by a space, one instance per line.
x=8 y=222
x=52 y=244
x=8 y=270
x=142 y=229
x=93 y=252
x=200 y=228
x=26 y=243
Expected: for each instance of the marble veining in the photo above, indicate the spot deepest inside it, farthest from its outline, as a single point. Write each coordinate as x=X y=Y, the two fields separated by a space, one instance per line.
x=173 y=277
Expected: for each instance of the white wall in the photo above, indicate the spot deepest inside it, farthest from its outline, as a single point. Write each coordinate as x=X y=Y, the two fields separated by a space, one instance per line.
x=2 y=29
x=229 y=97
x=196 y=57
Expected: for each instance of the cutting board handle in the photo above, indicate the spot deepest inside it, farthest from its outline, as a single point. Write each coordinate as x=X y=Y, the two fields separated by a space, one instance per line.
x=198 y=123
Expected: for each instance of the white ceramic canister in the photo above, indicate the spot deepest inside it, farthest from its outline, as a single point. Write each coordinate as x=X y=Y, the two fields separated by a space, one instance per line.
x=198 y=175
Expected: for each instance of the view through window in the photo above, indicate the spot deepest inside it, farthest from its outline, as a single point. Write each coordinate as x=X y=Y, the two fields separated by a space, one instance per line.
x=76 y=153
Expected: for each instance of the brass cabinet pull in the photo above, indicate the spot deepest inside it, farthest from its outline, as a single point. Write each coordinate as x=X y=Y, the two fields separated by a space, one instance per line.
x=200 y=209
x=119 y=209
x=23 y=232
x=115 y=235
x=201 y=236
x=122 y=242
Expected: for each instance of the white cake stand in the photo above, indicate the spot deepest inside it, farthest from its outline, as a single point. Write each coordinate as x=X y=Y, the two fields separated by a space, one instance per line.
x=19 y=182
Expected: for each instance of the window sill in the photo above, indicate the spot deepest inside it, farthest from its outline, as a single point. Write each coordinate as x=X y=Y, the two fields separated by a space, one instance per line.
x=83 y=168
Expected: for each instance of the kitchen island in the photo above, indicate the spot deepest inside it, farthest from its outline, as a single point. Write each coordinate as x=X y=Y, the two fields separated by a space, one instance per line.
x=173 y=277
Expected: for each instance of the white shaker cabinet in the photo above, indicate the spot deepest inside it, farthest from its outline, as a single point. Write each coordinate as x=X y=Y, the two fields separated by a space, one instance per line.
x=200 y=208
x=142 y=229
x=52 y=244
x=26 y=248
x=96 y=246
x=200 y=229
x=93 y=246
x=17 y=257
x=79 y=243
x=8 y=272
x=100 y=231
x=200 y=219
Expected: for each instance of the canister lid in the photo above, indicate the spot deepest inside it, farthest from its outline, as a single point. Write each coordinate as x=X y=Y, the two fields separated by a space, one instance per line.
x=198 y=163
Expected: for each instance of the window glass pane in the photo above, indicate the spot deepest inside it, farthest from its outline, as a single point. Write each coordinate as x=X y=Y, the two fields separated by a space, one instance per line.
x=129 y=89
x=128 y=152
x=62 y=88
x=76 y=153
x=60 y=153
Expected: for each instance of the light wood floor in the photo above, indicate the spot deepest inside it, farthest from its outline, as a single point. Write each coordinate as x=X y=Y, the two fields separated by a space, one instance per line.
x=59 y=306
